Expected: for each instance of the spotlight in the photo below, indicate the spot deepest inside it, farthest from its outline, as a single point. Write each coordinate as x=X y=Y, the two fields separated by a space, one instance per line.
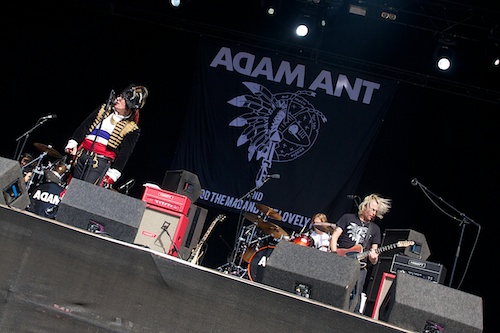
x=272 y=7
x=444 y=54
x=175 y=3
x=304 y=26
x=443 y=63
x=492 y=48
x=302 y=30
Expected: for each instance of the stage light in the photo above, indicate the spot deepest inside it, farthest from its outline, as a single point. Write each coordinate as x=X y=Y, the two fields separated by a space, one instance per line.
x=444 y=54
x=302 y=30
x=175 y=3
x=389 y=14
x=304 y=26
x=357 y=10
x=492 y=47
x=272 y=7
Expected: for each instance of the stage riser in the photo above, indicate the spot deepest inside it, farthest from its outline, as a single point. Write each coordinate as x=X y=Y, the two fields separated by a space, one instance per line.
x=57 y=278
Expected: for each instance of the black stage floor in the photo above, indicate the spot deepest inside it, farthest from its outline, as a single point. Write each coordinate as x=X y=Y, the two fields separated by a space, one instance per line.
x=58 y=278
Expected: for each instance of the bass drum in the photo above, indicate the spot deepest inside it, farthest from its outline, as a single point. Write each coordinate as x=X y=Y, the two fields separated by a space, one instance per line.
x=45 y=199
x=258 y=263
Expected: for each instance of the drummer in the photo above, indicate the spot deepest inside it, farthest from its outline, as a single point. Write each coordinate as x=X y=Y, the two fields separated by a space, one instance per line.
x=320 y=233
x=26 y=166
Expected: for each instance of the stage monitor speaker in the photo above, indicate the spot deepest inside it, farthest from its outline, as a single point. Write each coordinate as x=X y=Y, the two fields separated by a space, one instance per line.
x=182 y=182
x=100 y=210
x=414 y=303
x=162 y=231
x=311 y=273
x=420 y=250
x=12 y=183
x=196 y=217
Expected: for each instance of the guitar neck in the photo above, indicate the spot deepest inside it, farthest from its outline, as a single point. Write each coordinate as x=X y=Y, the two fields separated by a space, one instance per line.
x=364 y=254
x=197 y=249
x=209 y=230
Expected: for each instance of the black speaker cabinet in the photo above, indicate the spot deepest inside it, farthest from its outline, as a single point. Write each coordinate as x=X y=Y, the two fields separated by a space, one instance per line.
x=314 y=274
x=12 y=183
x=420 y=250
x=412 y=303
x=196 y=217
x=182 y=182
x=100 y=210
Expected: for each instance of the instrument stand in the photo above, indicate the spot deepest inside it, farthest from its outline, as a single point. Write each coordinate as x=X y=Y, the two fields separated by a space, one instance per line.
x=37 y=170
x=233 y=266
x=463 y=221
x=26 y=135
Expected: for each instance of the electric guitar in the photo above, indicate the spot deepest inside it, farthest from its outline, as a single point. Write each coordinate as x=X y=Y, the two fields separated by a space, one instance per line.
x=197 y=252
x=356 y=251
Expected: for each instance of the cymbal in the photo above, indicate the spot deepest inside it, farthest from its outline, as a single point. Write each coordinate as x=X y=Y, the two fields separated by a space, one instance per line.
x=272 y=229
x=48 y=149
x=267 y=227
x=325 y=226
x=268 y=211
x=252 y=217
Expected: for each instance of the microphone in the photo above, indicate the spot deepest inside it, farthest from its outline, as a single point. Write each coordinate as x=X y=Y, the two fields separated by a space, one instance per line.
x=414 y=182
x=113 y=97
x=50 y=116
x=129 y=183
x=274 y=176
x=352 y=196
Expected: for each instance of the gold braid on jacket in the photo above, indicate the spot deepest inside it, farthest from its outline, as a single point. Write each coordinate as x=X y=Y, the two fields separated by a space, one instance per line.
x=122 y=128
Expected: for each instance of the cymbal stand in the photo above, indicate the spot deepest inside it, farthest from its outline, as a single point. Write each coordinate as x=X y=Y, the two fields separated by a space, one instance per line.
x=241 y=218
x=37 y=170
x=234 y=265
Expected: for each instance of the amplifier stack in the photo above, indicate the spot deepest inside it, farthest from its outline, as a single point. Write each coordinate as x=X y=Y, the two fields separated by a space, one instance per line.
x=427 y=270
x=164 y=222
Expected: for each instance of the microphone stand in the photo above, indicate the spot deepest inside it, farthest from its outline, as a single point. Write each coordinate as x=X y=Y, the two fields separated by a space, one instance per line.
x=463 y=222
x=241 y=219
x=87 y=158
x=26 y=135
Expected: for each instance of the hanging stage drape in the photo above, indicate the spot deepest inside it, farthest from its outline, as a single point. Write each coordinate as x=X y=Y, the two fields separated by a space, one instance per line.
x=289 y=133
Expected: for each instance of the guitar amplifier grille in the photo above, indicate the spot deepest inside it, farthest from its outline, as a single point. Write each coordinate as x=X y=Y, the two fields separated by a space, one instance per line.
x=424 y=269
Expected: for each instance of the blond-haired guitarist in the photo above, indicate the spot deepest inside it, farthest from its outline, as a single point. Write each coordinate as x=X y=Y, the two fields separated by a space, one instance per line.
x=359 y=229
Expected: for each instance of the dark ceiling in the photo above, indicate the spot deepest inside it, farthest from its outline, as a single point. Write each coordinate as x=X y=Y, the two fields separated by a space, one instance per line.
x=400 y=49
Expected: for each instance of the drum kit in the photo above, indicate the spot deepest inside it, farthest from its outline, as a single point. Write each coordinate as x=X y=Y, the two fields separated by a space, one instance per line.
x=258 y=239
x=261 y=233
x=47 y=180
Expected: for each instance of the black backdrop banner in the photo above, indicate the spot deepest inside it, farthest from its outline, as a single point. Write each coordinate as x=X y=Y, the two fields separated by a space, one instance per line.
x=288 y=133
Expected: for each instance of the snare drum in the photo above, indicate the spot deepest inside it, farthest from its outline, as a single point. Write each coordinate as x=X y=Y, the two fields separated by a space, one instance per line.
x=258 y=263
x=45 y=199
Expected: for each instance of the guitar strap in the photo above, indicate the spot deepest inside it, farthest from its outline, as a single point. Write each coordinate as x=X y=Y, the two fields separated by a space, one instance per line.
x=366 y=243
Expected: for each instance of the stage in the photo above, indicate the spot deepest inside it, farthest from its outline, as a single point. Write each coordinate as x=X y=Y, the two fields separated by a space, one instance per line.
x=59 y=278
